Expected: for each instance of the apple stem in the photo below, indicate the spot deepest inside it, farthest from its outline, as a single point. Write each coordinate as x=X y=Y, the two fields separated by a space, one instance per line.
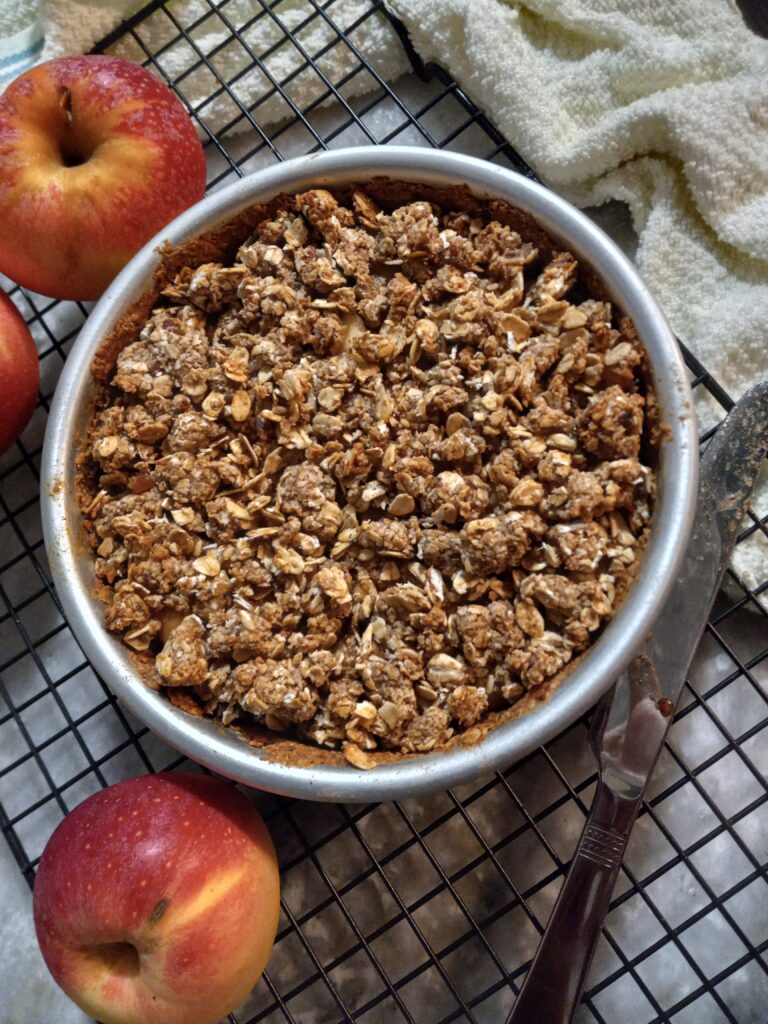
x=65 y=102
x=72 y=153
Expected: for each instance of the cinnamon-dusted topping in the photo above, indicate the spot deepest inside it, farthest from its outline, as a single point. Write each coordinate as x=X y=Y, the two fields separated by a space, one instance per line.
x=376 y=479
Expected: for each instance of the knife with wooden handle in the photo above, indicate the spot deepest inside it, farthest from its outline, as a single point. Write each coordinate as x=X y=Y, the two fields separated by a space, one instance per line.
x=631 y=722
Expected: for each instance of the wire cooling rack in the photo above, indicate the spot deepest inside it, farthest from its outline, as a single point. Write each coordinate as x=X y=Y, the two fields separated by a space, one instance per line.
x=426 y=911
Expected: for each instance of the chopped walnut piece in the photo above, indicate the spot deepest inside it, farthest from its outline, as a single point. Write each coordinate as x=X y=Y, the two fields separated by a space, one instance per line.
x=371 y=478
x=427 y=731
x=612 y=423
x=274 y=687
x=182 y=661
x=467 y=704
x=545 y=656
x=389 y=537
x=128 y=611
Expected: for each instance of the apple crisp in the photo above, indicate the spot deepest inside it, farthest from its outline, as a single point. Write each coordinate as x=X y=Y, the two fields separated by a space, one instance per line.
x=382 y=472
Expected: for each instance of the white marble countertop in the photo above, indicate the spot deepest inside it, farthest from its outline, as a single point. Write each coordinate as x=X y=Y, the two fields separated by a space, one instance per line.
x=28 y=991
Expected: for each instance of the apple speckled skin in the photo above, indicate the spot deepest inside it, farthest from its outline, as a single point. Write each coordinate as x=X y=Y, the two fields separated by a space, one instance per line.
x=157 y=900
x=96 y=156
x=19 y=373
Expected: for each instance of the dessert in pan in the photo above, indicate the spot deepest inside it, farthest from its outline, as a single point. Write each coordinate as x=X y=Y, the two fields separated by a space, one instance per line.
x=373 y=474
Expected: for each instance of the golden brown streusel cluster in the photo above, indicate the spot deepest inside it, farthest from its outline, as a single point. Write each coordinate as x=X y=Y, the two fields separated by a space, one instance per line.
x=375 y=478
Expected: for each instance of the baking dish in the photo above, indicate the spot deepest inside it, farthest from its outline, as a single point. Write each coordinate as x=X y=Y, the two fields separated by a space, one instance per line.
x=222 y=750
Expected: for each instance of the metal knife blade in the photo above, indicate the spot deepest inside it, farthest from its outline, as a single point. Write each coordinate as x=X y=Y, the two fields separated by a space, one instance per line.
x=630 y=723
x=729 y=467
x=728 y=470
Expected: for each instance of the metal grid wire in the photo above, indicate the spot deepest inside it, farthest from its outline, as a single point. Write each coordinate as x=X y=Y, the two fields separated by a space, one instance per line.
x=426 y=910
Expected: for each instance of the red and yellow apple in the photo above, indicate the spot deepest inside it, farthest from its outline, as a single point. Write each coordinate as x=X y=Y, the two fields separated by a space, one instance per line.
x=157 y=901
x=96 y=156
x=19 y=373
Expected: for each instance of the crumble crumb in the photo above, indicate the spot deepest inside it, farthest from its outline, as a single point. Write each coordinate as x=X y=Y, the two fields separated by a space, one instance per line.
x=377 y=478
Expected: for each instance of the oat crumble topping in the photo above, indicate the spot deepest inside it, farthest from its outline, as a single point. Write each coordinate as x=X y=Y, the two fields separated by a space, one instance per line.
x=380 y=476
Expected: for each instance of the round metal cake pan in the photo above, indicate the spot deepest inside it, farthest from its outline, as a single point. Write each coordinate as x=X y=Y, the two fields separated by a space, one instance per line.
x=224 y=751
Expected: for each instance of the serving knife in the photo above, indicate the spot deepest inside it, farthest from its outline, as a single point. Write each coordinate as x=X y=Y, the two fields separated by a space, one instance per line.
x=631 y=722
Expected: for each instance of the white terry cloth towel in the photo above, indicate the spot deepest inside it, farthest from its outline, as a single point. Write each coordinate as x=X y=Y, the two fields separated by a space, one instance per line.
x=662 y=104
x=32 y=31
x=21 y=38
